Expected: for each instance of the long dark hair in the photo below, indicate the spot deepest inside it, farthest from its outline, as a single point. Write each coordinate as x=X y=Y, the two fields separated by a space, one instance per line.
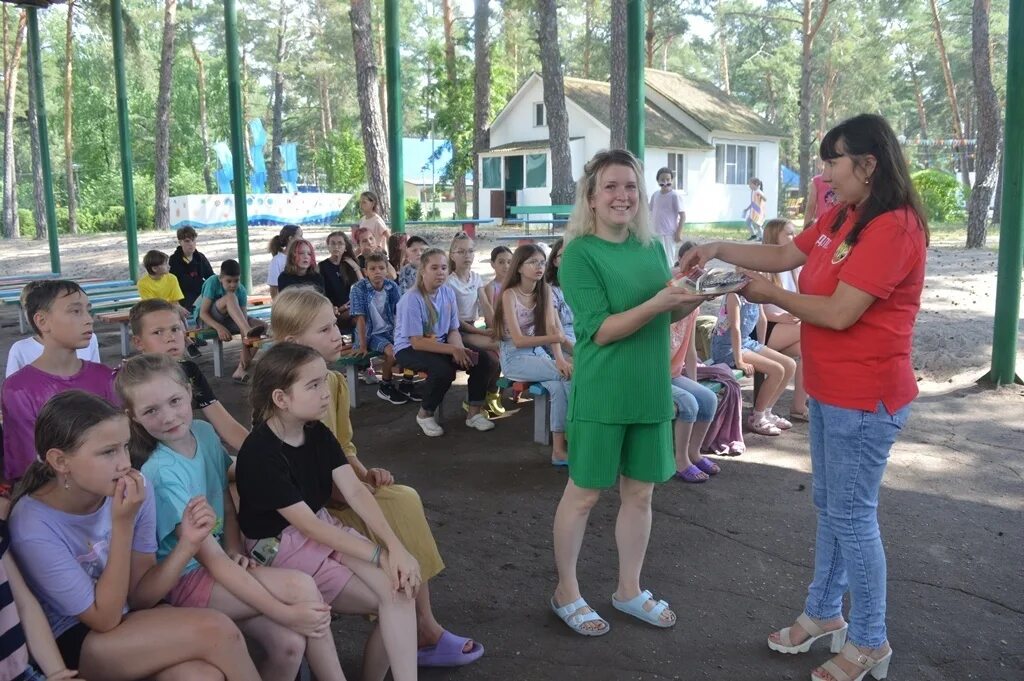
x=551 y=272
x=542 y=297
x=62 y=424
x=890 y=186
x=279 y=242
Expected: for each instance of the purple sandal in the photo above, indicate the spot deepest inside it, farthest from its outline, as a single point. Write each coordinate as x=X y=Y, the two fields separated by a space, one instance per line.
x=692 y=474
x=448 y=652
x=708 y=466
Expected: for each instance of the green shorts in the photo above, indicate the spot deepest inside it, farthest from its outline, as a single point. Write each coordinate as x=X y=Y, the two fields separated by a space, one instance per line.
x=599 y=452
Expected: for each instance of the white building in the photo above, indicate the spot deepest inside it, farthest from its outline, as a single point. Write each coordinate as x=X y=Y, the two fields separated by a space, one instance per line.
x=714 y=142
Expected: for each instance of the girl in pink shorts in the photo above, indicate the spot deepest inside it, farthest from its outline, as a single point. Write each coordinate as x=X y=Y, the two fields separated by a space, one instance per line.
x=288 y=468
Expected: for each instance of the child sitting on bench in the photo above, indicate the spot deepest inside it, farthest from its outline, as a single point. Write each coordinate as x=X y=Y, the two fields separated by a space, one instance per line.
x=374 y=303
x=221 y=306
x=413 y=250
x=300 y=267
x=28 y=350
x=501 y=258
x=526 y=324
x=161 y=285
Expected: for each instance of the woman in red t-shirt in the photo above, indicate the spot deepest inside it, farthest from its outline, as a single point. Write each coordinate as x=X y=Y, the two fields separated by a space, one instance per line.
x=860 y=290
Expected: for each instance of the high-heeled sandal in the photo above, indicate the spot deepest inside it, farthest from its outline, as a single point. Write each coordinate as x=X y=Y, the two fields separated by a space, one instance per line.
x=786 y=645
x=879 y=668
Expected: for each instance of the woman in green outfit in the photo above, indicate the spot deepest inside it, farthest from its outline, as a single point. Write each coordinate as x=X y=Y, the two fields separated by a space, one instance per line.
x=614 y=277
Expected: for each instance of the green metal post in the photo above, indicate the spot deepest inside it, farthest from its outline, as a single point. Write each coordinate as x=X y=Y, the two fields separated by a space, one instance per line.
x=1011 y=230
x=44 y=139
x=635 y=97
x=125 y=136
x=237 y=139
x=393 y=59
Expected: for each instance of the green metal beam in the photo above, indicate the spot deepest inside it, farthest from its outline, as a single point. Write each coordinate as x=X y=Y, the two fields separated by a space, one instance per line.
x=635 y=97
x=125 y=136
x=44 y=139
x=1011 y=229
x=237 y=139
x=393 y=59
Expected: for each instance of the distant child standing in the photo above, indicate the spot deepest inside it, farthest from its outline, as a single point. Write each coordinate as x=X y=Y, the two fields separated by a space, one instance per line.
x=221 y=306
x=732 y=345
x=501 y=260
x=278 y=248
x=300 y=267
x=368 y=244
x=427 y=338
x=183 y=459
x=667 y=214
x=160 y=284
x=369 y=205
x=469 y=295
x=374 y=304
x=754 y=212
x=527 y=325
x=58 y=312
x=413 y=250
x=190 y=267
x=340 y=272
x=83 y=529
x=288 y=469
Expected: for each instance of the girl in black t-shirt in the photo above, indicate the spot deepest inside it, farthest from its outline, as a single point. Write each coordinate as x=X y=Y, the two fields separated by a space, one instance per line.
x=288 y=468
x=300 y=267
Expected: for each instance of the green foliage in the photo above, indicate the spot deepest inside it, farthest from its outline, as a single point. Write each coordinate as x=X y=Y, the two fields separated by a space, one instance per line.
x=942 y=195
x=185 y=181
x=413 y=209
x=342 y=160
x=26 y=223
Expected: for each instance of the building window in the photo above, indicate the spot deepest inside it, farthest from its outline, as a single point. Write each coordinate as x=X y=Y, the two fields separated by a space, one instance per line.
x=677 y=164
x=536 y=171
x=539 y=121
x=491 y=172
x=735 y=163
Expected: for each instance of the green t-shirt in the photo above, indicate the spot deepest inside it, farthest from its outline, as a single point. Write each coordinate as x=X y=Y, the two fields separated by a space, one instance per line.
x=626 y=381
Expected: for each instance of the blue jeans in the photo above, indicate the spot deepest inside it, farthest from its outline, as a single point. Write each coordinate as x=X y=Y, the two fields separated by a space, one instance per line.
x=693 y=401
x=536 y=366
x=849 y=450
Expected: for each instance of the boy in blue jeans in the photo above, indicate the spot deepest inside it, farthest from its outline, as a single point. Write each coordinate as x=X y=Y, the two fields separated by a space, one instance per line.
x=373 y=303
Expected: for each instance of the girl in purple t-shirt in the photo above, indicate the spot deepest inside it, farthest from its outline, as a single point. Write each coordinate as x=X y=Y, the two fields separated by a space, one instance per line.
x=427 y=339
x=83 y=530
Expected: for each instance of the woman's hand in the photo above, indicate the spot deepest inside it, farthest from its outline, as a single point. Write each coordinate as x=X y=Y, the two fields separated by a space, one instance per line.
x=759 y=289
x=671 y=297
x=129 y=493
x=379 y=477
x=564 y=367
x=698 y=257
x=403 y=570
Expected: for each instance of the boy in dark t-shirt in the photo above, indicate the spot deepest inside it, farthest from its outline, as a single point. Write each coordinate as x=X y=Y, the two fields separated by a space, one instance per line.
x=155 y=329
x=189 y=266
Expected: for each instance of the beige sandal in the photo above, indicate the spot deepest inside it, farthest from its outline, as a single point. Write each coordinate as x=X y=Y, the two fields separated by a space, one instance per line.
x=879 y=668
x=786 y=645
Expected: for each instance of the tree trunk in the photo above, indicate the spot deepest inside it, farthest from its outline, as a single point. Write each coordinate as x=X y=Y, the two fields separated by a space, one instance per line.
x=958 y=128
x=204 y=131
x=326 y=119
x=459 y=178
x=723 y=49
x=69 y=147
x=617 y=54
x=997 y=207
x=588 y=35
x=481 y=94
x=810 y=26
x=277 y=128
x=162 y=134
x=372 y=125
x=987 y=150
x=10 y=209
x=382 y=80
x=922 y=115
x=562 y=186
x=38 y=196
x=649 y=36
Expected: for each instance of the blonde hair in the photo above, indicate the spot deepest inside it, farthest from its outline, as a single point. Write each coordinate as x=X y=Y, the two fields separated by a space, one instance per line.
x=461 y=236
x=138 y=371
x=583 y=222
x=421 y=288
x=294 y=310
x=772 y=229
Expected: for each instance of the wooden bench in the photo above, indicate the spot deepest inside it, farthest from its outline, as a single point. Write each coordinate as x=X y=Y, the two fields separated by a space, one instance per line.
x=262 y=313
x=100 y=294
x=541 y=407
x=350 y=366
x=559 y=215
x=523 y=239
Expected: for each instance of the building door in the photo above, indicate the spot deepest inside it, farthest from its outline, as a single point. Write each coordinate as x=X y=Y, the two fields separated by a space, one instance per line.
x=513 y=180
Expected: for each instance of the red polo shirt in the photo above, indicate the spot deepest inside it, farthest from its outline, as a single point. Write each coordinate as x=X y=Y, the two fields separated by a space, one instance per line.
x=870 y=361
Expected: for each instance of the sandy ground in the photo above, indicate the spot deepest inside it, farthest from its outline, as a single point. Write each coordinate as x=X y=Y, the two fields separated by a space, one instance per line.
x=732 y=556
x=952 y=343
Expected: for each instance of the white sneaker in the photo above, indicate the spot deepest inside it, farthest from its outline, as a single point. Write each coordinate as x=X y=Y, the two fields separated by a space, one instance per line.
x=479 y=422
x=370 y=376
x=429 y=426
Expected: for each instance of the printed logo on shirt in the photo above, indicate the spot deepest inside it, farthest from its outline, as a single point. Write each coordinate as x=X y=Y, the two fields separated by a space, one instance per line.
x=824 y=241
x=95 y=560
x=841 y=253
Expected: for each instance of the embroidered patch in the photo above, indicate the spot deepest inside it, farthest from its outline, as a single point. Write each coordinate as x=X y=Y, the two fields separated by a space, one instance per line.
x=841 y=253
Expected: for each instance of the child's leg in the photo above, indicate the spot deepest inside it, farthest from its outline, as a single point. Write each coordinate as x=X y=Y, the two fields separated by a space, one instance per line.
x=284 y=647
x=483 y=376
x=228 y=304
x=389 y=362
x=788 y=365
x=686 y=410
x=786 y=339
x=440 y=376
x=775 y=377
x=370 y=591
x=152 y=643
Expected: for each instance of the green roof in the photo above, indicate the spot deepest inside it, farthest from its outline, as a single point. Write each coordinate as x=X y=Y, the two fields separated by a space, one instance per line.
x=529 y=145
x=709 y=106
x=662 y=130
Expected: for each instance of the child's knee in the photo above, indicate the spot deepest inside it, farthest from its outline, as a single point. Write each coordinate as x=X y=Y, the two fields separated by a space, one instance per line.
x=298 y=587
